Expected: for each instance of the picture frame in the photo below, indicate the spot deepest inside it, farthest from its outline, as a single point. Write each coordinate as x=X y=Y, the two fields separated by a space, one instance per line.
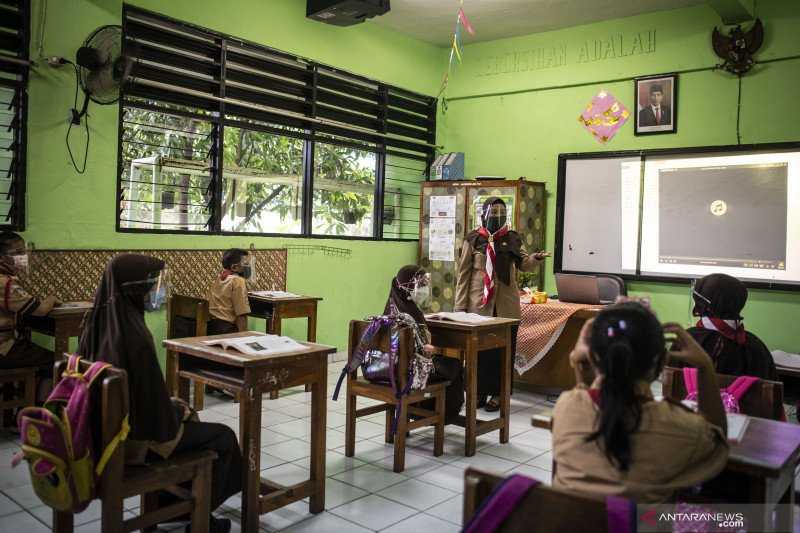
x=656 y=99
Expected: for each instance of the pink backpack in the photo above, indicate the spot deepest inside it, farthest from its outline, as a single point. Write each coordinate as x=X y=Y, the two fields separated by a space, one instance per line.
x=730 y=395
x=57 y=441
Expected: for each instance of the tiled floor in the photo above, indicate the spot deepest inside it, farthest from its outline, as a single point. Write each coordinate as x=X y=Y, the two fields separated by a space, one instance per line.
x=362 y=493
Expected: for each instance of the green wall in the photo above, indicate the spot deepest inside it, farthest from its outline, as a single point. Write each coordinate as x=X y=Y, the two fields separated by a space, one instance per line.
x=521 y=134
x=68 y=210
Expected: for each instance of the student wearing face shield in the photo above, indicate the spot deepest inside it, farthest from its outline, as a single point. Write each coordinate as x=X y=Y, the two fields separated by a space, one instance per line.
x=410 y=294
x=16 y=349
x=116 y=332
x=486 y=284
x=227 y=298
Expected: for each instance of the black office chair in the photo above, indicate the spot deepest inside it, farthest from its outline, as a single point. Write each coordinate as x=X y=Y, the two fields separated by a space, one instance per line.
x=610 y=286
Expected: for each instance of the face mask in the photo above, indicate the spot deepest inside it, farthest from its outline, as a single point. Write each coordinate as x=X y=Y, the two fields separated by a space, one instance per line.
x=495 y=224
x=20 y=261
x=421 y=295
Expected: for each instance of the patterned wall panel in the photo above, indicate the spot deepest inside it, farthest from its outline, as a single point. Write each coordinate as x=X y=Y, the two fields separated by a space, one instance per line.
x=73 y=275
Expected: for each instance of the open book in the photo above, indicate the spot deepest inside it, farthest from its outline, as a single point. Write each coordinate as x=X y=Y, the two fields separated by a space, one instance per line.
x=275 y=294
x=258 y=344
x=460 y=316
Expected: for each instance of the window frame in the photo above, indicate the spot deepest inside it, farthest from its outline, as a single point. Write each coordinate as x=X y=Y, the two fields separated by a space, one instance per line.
x=19 y=65
x=219 y=120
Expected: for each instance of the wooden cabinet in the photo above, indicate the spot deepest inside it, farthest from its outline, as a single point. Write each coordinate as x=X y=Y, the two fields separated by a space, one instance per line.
x=525 y=201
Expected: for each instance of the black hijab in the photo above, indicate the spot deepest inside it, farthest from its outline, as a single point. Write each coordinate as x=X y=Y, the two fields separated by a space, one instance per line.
x=115 y=332
x=507 y=248
x=726 y=294
x=399 y=297
x=723 y=297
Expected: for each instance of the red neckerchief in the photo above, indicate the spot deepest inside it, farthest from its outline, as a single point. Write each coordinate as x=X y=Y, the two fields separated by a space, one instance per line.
x=488 y=275
x=730 y=329
x=225 y=274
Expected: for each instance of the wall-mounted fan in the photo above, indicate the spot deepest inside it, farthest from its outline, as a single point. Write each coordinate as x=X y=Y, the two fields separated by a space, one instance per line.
x=100 y=71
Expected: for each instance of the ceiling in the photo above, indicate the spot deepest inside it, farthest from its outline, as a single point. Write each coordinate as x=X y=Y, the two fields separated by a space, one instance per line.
x=433 y=21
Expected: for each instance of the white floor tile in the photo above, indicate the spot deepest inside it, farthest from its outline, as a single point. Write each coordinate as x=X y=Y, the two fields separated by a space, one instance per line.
x=448 y=476
x=417 y=494
x=270 y=461
x=366 y=429
x=415 y=465
x=511 y=451
x=486 y=462
x=298 y=410
x=335 y=420
x=290 y=450
x=535 y=438
x=370 y=477
x=90 y=514
x=8 y=506
x=338 y=493
x=326 y=523
x=297 y=428
x=367 y=450
x=335 y=463
x=451 y=510
x=334 y=439
x=273 y=417
x=286 y=474
x=374 y=512
x=423 y=522
x=24 y=494
x=22 y=522
x=544 y=461
x=286 y=516
x=12 y=477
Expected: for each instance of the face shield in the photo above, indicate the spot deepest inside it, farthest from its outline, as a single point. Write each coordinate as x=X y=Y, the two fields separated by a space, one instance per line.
x=419 y=290
x=247 y=267
x=494 y=217
x=701 y=303
x=155 y=289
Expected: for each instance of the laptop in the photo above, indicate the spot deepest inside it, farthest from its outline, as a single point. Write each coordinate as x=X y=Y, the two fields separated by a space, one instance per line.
x=578 y=289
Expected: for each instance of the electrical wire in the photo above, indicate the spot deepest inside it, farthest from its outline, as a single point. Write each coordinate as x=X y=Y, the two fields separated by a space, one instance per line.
x=71 y=123
x=42 y=23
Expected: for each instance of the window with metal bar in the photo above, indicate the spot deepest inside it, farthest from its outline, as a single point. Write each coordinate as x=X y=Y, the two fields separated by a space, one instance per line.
x=271 y=143
x=14 y=65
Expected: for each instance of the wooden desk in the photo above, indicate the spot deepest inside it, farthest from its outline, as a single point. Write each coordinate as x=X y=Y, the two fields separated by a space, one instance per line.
x=249 y=377
x=61 y=323
x=768 y=455
x=469 y=340
x=274 y=310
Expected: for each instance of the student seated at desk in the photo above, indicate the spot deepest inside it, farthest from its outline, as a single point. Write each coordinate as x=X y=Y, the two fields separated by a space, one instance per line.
x=116 y=333
x=17 y=351
x=718 y=302
x=610 y=437
x=410 y=290
x=227 y=299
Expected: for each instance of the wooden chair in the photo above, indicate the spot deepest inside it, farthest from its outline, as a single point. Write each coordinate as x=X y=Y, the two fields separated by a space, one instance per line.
x=187 y=309
x=764 y=399
x=18 y=389
x=543 y=509
x=119 y=481
x=360 y=387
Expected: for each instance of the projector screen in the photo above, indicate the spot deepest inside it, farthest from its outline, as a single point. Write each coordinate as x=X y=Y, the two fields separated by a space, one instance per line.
x=734 y=210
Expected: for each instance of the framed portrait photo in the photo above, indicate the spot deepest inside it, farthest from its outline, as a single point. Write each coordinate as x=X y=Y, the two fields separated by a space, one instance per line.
x=656 y=104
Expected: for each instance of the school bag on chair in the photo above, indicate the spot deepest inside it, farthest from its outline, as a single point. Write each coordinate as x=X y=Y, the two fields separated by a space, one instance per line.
x=730 y=395
x=57 y=441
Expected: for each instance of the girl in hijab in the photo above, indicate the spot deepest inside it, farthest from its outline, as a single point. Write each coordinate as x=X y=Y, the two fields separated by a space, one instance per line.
x=115 y=332
x=718 y=302
x=486 y=283
x=409 y=293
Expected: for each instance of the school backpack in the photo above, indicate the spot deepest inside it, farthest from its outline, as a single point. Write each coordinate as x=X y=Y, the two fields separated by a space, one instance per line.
x=730 y=395
x=381 y=367
x=57 y=441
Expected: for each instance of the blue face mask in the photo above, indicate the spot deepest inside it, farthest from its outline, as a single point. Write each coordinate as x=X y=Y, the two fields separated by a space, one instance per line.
x=247 y=272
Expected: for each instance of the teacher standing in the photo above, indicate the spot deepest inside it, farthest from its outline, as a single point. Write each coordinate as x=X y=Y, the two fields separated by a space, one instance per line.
x=486 y=284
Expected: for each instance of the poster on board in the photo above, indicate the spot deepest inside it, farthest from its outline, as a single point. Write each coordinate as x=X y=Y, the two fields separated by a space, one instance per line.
x=442 y=228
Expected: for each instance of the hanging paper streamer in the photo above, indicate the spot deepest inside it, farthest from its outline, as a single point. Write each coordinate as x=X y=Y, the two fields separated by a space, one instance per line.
x=456 y=48
x=604 y=116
